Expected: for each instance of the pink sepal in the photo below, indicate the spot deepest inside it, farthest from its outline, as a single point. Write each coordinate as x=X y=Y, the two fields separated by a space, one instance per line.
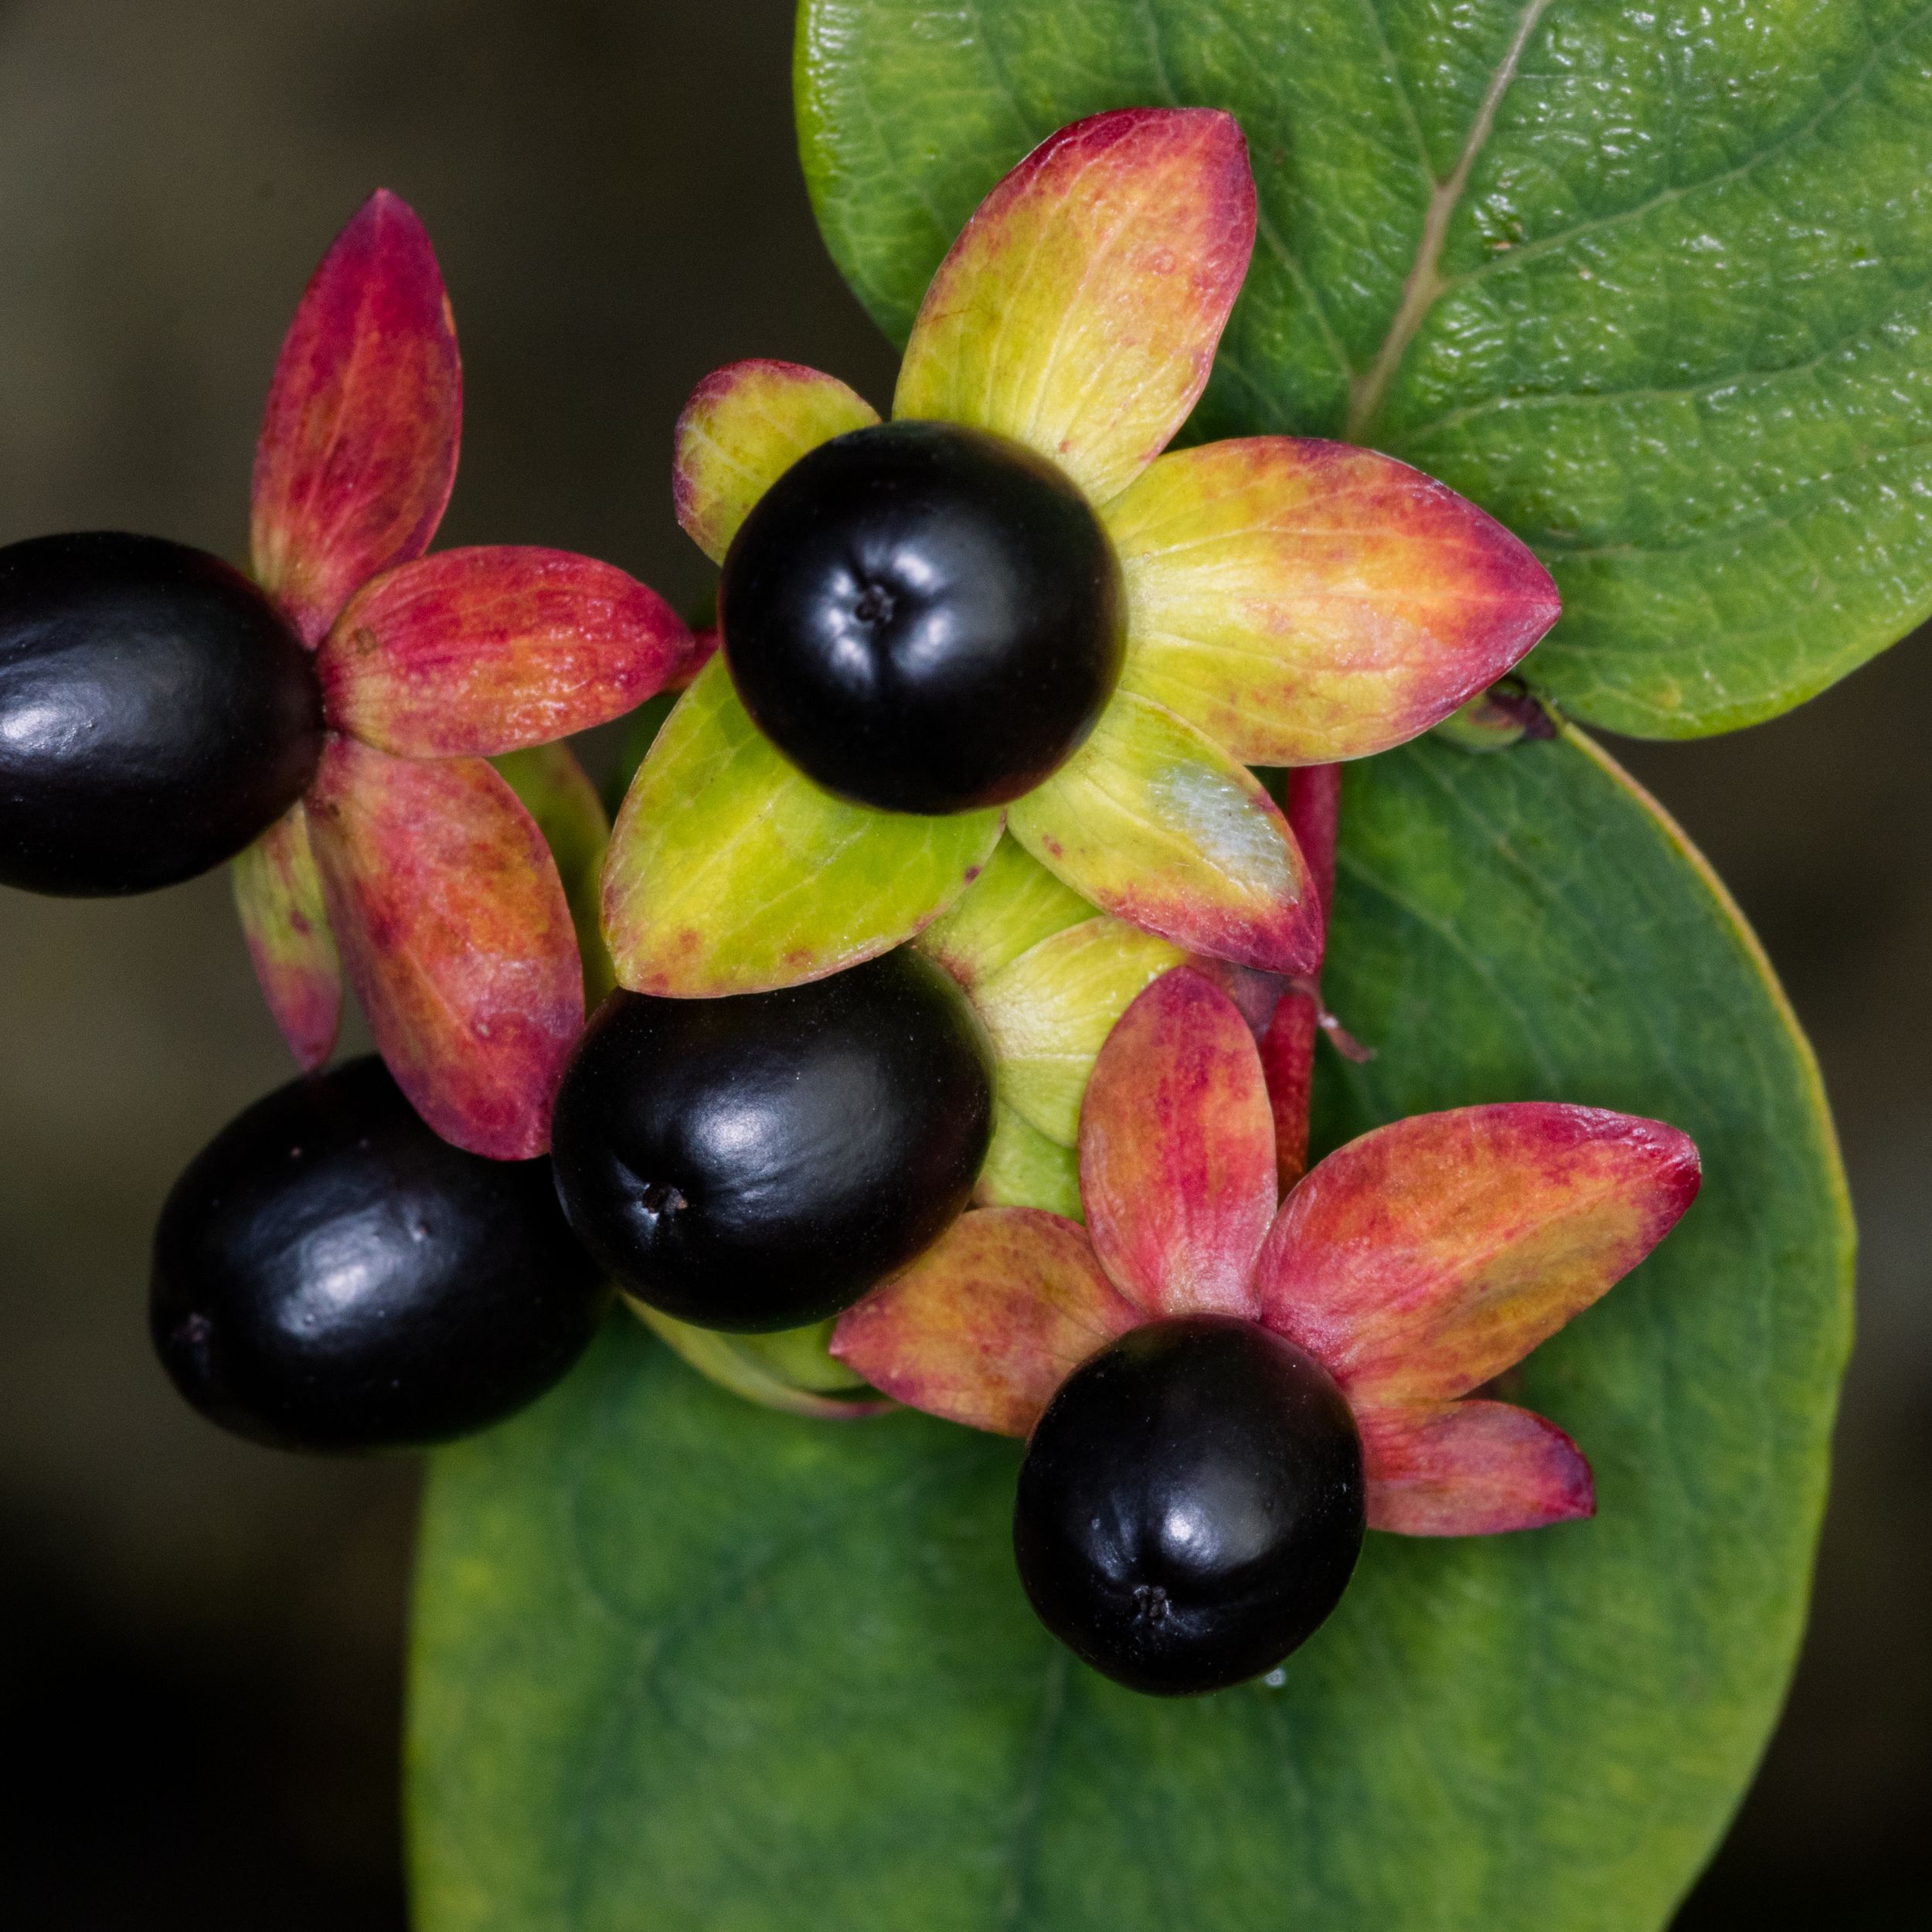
x=472 y=652
x=1177 y=1151
x=457 y=936
x=1469 y=1469
x=358 y=439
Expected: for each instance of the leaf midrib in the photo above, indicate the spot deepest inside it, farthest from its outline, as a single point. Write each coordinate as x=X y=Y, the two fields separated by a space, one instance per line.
x=1425 y=281
x=1426 y=284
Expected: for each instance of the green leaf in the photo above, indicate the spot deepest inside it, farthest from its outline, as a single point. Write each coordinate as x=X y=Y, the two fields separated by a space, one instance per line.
x=1652 y=284
x=731 y=872
x=687 y=1664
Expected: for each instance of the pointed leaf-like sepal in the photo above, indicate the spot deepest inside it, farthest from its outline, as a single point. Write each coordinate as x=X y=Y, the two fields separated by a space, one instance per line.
x=358 y=439
x=789 y=1371
x=470 y=652
x=1013 y=905
x=457 y=935
x=1049 y=1013
x=1080 y=309
x=1303 y=601
x=1426 y=1257
x=278 y=893
x=1177 y=1151
x=731 y=872
x=1469 y=1469
x=1156 y=824
x=1024 y=1168
x=745 y=425
x=989 y=1322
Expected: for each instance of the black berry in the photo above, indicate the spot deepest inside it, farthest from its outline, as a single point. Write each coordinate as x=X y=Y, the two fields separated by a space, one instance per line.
x=922 y=618
x=758 y=1161
x=329 y=1274
x=1190 y=1508
x=157 y=713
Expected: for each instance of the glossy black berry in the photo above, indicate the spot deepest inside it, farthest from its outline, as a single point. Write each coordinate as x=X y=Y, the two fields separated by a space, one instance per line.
x=157 y=713
x=1190 y=1508
x=329 y=1274
x=922 y=618
x=760 y=1161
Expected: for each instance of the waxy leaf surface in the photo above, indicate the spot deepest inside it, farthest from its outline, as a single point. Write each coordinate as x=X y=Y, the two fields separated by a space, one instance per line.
x=745 y=425
x=473 y=651
x=359 y=440
x=731 y=872
x=684 y=1663
x=1079 y=311
x=278 y=894
x=1651 y=284
x=1177 y=1151
x=1302 y=601
x=1154 y=822
x=455 y=929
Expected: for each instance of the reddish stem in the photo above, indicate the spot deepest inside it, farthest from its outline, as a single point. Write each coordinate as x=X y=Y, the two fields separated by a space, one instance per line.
x=1314 y=806
x=1315 y=814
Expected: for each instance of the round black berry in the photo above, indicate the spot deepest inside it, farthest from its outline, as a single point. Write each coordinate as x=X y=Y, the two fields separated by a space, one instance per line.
x=922 y=618
x=329 y=1274
x=1190 y=1508
x=760 y=1161
x=157 y=713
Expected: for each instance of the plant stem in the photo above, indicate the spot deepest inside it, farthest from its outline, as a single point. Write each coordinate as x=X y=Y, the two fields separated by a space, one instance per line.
x=1314 y=808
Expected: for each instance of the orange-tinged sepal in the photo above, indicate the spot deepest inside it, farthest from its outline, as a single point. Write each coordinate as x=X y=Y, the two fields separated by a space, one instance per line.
x=1426 y=1257
x=472 y=652
x=1177 y=1151
x=455 y=928
x=359 y=440
x=1303 y=601
x=1080 y=309
x=989 y=1321
x=1469 y=1469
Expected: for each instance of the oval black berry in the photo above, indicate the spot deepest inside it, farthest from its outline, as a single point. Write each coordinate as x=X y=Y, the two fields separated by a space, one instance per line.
x=1190 y=1508
x=330 y=1274
x=922 y=618
x=758 y=1161
x=157 y=713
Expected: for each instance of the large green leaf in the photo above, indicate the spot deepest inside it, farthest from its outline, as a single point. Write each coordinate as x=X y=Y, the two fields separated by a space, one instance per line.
x=1652 y=282
x=688 y=1666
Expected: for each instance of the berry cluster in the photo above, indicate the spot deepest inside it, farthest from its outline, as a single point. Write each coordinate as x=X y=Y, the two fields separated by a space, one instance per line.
x=952 y=962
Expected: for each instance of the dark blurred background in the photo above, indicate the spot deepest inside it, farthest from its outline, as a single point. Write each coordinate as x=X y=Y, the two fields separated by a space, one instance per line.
x=202 y=1641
